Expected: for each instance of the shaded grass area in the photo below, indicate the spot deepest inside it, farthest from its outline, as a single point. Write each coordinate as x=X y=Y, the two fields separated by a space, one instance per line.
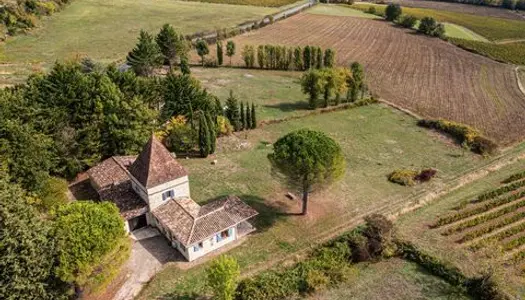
x=460 y=32
x=415 y=228
x=108 y=30
x=489 y=27
x=397 y=278
x=276 y=94
x=510 y=53
x=375 y=140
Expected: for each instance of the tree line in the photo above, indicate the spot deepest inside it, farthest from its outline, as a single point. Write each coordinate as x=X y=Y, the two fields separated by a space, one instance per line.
x=427 y=25
x=332 y=86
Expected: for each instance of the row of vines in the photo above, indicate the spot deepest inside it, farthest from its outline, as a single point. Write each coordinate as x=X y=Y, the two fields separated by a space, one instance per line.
x=494 y=220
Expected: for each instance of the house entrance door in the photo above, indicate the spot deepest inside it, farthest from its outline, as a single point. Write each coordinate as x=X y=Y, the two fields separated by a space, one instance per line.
x=137 y=222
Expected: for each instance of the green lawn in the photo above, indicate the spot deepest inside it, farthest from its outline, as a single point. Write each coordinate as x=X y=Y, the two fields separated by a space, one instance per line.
x=393 y=279
x=415 y=228
x=339 y=10
x=489 y=27
x=276 y=94
x=107 y=30
x=375 y=139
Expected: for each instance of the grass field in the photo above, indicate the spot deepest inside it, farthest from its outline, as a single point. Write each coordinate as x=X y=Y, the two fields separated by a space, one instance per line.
x=426 y=75
x=489 y=27
x=460 y=32
x=277 y=94
x=372 y=148
x=416 y=228
x=394 y=279
x=339 y=10
x=106 y=30
x=510 y=52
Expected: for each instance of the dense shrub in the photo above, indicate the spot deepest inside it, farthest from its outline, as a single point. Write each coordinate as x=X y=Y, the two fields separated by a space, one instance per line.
x=485 y=287
x=393 y=12
x=429 y=26
x=403 y=177
x=20 y=16
x=463 y=134
x=408 y=21
x=379 y=231
x=425 y=175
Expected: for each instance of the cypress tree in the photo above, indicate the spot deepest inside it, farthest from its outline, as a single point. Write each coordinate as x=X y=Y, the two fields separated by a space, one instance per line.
x=204 y=136
x=212 y=128
x=218 y=107
x=253 y=118
x=232 y=111
x=248 y=116
x=220 y=56
x=243 y=117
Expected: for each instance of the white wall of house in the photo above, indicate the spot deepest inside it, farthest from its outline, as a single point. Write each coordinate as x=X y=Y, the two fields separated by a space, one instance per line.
x=153 y=196
x=180 y=187
x=209 y=245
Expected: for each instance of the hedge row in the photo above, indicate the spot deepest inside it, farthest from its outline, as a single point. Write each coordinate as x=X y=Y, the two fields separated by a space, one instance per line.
x=500 y=191
x=514 y=177
x=498 y=237
x=490 y=228
x=484 y=218
x=465 y=214
x=463 y=134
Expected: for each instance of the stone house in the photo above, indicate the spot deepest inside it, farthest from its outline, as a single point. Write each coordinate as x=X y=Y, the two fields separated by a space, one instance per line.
x=153 y=189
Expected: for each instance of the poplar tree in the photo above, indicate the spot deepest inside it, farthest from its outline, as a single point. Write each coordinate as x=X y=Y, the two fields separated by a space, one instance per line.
x=261 y=56
x=220 y=56
x=329 y=58
x=307 y=58
x=253 y=118
x=204 y=136
x=298 y=59
x=319 y=59
x=313 y=57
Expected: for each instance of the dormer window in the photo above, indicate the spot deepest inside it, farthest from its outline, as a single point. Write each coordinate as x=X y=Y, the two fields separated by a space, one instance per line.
x=168 y=195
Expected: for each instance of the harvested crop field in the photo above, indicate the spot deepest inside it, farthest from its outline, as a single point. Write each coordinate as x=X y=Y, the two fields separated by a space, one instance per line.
x=464 y=8
x=426 y=75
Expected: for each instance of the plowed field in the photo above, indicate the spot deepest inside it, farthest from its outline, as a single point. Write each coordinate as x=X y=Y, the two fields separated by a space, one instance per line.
x=426 y=75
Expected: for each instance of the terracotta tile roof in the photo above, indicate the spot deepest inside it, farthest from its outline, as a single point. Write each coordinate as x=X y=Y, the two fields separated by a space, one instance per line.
x=128 y=202
x=155 y=165
x=111 y=180
x=189 y=227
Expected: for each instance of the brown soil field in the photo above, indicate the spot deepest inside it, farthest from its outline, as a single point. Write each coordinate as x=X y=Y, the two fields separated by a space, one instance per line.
x=464 y=8
x=426 y=75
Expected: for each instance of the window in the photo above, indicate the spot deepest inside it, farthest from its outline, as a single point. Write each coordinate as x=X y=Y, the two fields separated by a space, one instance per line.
x=198 y=247
x=168 y=195
x=224 y=235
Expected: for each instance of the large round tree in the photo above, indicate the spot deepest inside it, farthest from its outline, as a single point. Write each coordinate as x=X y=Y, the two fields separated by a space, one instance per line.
x=307 y=160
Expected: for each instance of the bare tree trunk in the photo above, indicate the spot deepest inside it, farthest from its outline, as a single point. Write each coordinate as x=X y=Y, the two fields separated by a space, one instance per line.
x=305 y=203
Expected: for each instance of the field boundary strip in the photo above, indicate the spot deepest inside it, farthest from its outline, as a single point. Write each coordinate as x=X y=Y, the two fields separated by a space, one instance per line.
x=520 y=85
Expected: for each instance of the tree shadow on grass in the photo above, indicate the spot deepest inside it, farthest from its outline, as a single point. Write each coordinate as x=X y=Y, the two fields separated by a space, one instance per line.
x=268 y=213
x=289 y=106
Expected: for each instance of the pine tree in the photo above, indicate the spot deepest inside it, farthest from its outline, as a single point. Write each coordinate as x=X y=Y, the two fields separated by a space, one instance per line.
x=243 y=116
x=204 y=136
x=146 y=56
x=248 y=116
x=212 y=128
x=253 y=118
x=232 y=111
x=220 y=56
x=171 y=44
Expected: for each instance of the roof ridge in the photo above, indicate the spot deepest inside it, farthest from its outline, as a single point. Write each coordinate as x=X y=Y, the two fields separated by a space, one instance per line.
x=183 y=208
x=213 y=211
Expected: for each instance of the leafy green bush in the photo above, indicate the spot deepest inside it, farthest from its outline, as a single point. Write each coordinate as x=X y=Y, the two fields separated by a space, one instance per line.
x=408 y=21
x=429 y=26
x=403 y=177
x=393 y=12
x=463 y=134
